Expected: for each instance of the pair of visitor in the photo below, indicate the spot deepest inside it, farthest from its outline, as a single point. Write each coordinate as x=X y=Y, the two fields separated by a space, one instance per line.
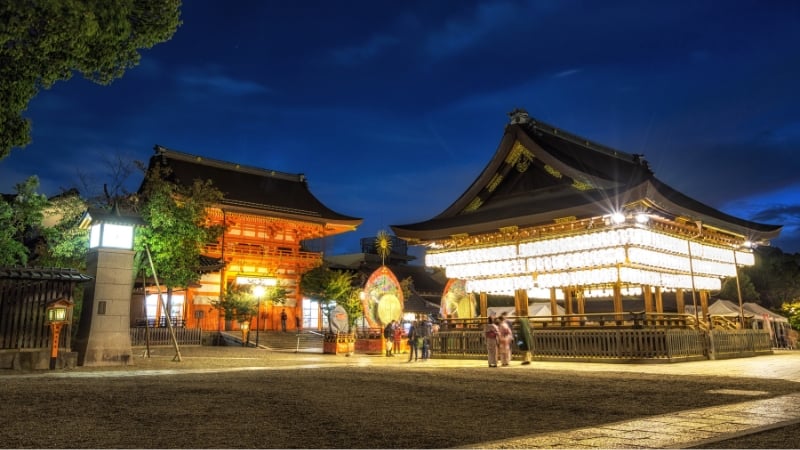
x=498 y=336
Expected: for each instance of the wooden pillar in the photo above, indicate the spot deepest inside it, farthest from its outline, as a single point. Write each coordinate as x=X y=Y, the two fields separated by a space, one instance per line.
x=567 y=301
x=679 y=301
x=659 y=301
x=704 y=303
x=581 y=301
x=618 y=301
x=648 y=298
x=483 y=303
x=553 y=304
x=521 y=302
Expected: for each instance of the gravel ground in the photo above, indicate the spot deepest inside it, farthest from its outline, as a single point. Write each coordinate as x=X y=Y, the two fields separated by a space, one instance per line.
x=293 y=400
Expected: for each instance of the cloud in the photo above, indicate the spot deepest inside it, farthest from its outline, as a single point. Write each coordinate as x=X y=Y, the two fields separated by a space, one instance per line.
x=567 y=73
x=369 y=49
x=460 y=34
x=219 y=83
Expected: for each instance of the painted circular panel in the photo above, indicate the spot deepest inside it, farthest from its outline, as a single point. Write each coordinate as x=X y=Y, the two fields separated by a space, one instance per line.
x=383 y=299
x=456 y=302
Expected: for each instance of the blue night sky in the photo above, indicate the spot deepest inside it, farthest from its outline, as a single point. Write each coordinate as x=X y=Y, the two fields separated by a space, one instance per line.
x=391 y=109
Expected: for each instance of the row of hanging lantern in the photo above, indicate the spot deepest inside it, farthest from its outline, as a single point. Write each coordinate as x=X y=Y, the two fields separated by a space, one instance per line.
x=626 y=254
x=592 y=277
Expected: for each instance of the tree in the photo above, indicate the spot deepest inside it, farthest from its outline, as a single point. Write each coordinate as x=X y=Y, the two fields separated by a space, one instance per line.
x=62 y=243
x=177 y=229
x=330 y=287
x=20 y=218
x=792 y=310
x=46 y=41
x=776 y=276
x=238 y=303
x=729 y=290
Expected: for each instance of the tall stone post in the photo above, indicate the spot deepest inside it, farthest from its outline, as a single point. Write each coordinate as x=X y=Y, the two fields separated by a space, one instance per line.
x=104 y=335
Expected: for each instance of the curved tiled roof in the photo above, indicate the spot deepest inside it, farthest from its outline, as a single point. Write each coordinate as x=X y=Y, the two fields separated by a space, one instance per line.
x=42 y=273
x=251 y=188
x=539 y=174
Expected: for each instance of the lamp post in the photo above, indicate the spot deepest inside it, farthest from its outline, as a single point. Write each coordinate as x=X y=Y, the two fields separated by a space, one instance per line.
x=104 y=334
x=258 y=291
x=59 y=312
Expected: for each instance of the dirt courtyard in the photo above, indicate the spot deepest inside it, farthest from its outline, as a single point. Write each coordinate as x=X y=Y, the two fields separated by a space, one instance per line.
x=222 y=397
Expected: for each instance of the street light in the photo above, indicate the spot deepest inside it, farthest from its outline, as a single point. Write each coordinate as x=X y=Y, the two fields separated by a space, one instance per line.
x=59 y=312
x=258 y=291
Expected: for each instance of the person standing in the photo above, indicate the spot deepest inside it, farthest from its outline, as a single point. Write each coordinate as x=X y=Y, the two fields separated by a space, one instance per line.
x=504 y=338
x=283 y=320
x=425 y=330
x=413 y=350
x=491 y=331
x=398 y=338
x=388 y=335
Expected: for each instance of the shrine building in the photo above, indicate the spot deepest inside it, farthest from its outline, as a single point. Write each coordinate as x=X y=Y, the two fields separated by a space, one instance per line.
x=557 y=218
x=268 y=216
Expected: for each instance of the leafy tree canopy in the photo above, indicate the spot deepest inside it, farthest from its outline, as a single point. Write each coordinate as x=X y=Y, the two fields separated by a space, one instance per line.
x=330 y=287
x=776 y=276
x=238 y=303
x=729 y=290
x=20 y=216
x=45 y=41
x=176 y=228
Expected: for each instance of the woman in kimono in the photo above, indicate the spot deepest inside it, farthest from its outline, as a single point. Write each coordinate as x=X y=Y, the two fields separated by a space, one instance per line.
x=504 y=338
x=492 y=332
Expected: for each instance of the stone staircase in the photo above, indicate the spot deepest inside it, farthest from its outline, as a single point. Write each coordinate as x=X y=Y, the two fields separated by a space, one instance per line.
x=304 y=341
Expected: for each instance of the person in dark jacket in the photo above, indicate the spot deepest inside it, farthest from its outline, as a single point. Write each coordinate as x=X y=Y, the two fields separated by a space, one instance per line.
x=388 y=334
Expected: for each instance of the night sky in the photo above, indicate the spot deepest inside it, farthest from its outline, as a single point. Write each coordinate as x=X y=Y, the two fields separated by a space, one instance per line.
x=392 y=109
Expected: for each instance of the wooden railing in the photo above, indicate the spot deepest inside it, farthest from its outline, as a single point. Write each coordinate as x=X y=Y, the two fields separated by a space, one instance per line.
x=608 y=336
x=582 y=344
x=162 y=336
x=628 y=319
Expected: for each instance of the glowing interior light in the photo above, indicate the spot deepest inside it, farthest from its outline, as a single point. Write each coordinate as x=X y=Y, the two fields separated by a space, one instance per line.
x=594 y=259
x=618 y=218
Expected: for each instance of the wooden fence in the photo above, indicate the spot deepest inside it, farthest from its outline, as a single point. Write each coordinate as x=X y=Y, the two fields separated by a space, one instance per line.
x=24 y=296
x=161 y=336
x=612 y=345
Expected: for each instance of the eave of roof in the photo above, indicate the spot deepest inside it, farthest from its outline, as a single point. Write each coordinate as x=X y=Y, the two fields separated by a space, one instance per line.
x=42 y=273
x=252 y=189
x=564 y=176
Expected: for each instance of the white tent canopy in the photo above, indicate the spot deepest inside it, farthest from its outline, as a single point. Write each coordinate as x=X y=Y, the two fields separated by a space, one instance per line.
x=762 y=312
x=725 y=308
x=534 y=309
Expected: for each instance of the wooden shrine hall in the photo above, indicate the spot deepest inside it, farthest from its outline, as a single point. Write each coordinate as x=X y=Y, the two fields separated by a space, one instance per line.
x=267 y=217
x=556 y=218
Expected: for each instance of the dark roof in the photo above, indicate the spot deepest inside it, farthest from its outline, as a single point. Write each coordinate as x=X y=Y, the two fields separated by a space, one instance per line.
x=42 y=273
x=250 y=188
x=540 y=173
x=417 y=304
x=209 y=264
